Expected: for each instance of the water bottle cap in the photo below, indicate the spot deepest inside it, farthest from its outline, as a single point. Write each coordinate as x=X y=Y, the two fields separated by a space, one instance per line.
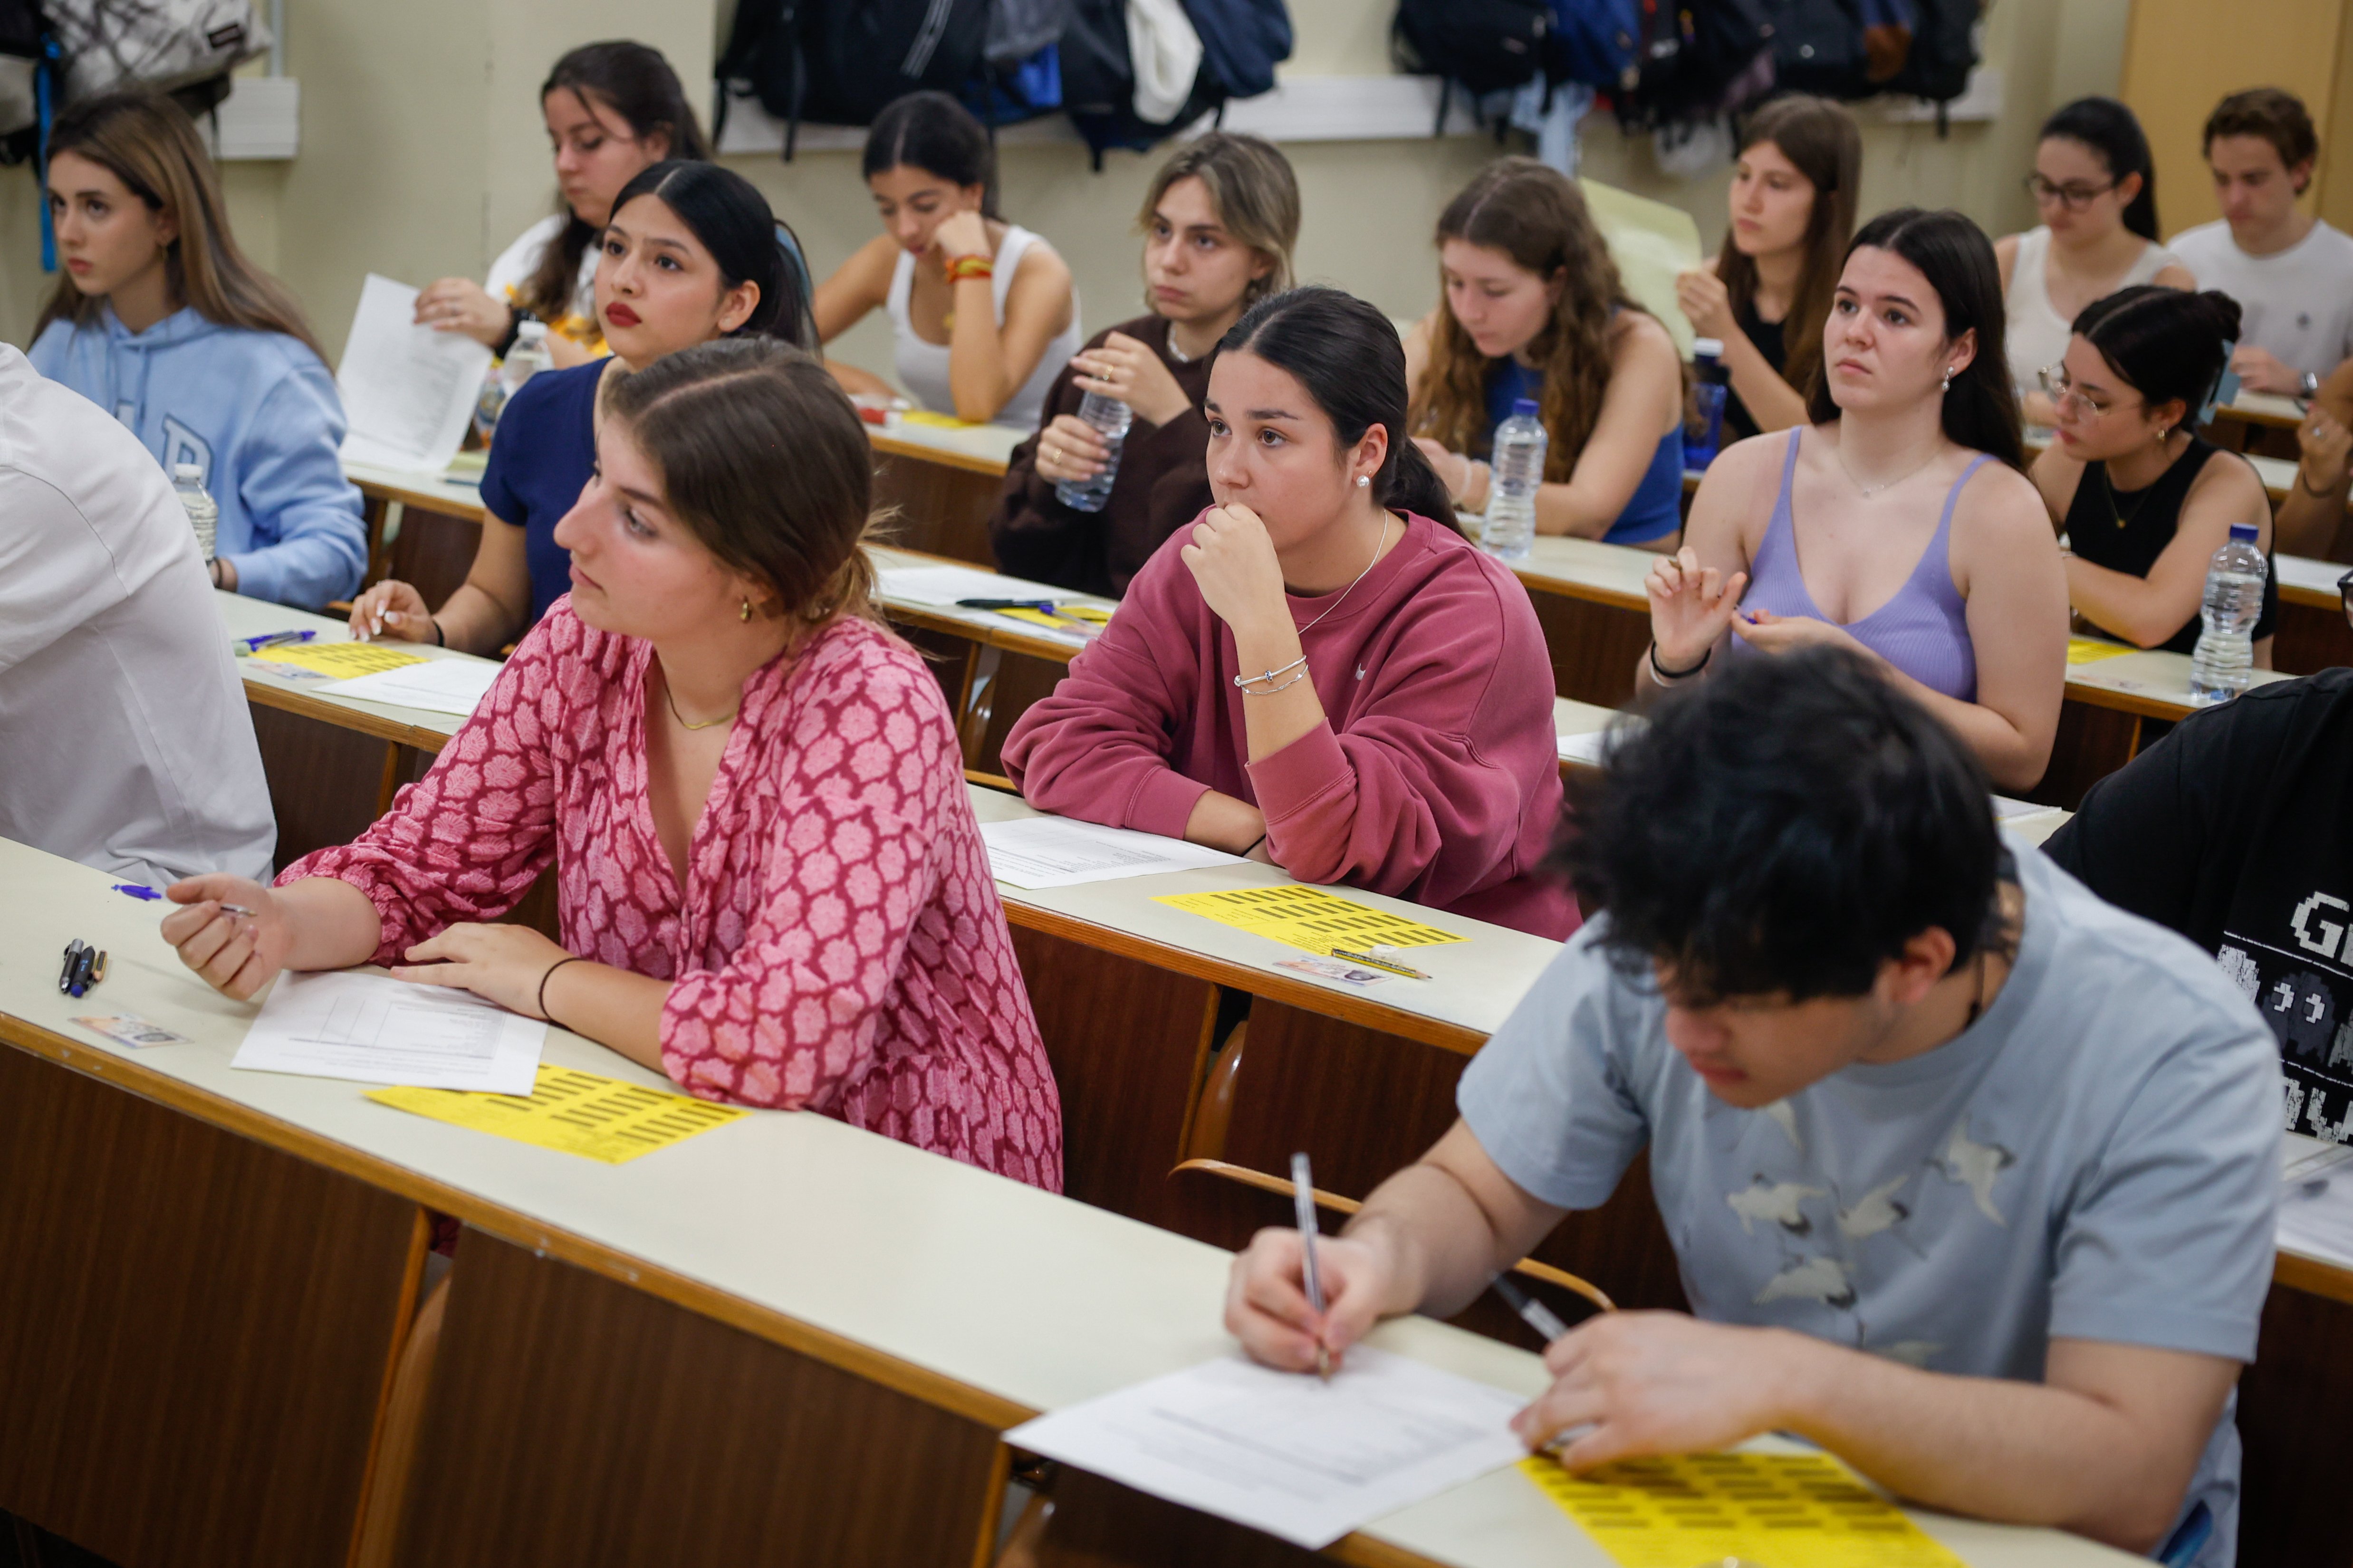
x=1707 y=348
x=1523 y=408
x=2243 y=532
x=187 y=473
x=531 y=332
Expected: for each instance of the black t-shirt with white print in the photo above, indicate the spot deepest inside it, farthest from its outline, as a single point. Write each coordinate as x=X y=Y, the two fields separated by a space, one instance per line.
x=2236 y=830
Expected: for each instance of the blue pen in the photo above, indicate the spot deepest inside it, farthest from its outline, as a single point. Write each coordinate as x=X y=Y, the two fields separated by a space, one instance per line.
x=136 y=890
x=273 y=639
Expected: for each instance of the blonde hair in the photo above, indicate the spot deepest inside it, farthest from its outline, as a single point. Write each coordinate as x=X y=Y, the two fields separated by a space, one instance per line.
x=1535 y=215
x=145 y=140
x=1256 y=195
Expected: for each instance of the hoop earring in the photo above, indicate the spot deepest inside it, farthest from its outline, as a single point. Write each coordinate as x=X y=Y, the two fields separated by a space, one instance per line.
x=747 y=614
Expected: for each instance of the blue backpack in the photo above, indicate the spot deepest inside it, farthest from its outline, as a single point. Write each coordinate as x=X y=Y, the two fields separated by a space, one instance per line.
x=1595 y=43
x=1242 y=42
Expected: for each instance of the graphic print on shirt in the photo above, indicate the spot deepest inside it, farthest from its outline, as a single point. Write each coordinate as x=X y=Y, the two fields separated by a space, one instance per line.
x=1825 y=1237
x=181 y=445
x=2304 y=992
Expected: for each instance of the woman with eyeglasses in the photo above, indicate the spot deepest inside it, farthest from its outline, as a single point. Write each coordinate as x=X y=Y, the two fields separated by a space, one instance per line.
x=2144 y=501
x=2095 y=190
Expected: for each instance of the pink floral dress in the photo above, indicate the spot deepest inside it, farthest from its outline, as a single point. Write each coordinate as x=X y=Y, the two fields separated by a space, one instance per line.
x=839 y=946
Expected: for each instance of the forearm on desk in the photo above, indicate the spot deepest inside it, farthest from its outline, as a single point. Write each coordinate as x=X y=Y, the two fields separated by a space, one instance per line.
x=617 y=1009
x=335 y=924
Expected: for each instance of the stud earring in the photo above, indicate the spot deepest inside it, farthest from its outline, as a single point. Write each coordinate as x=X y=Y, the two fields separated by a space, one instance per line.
x=1361 y=480
x=748 y=611
x=1949 y=378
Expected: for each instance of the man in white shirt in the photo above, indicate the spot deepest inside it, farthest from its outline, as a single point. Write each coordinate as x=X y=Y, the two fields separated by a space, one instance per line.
x=125 y=741
x=2291 y=273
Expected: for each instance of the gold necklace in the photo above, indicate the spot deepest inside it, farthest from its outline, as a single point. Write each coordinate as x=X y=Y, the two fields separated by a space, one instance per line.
x=707 y=723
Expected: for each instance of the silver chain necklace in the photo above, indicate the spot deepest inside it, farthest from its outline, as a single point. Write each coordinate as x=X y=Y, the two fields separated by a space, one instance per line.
x=1869 y=490
x=1351 y=588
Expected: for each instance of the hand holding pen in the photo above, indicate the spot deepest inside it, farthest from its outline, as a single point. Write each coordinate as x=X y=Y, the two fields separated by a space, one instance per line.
x=229 y=931
x=1268 y=1305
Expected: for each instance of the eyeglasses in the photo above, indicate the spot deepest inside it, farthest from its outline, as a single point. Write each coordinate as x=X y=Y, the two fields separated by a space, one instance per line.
x=2345 y=595
x=2075 y=198
x=2062 y=392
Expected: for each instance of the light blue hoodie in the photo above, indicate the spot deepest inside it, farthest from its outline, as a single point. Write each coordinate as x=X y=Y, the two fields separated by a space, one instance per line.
x=259 y=414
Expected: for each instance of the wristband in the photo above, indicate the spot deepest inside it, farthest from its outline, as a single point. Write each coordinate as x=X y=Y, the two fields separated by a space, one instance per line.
x=960 y=268
x=439 y=639
x=542 y=986
x=516 y=317
x=1666 y=674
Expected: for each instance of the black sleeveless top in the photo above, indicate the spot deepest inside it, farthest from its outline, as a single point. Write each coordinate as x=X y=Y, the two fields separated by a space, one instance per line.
x=2127 y=531
x=1739 y=423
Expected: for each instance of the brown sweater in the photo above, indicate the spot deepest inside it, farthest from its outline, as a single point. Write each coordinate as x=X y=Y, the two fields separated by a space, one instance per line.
x=1163 y=484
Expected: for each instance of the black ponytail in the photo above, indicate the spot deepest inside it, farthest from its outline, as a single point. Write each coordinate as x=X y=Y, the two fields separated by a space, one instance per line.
x=732 y=219
x=2165 y=343
x=932 y=132
x=1953 y=253
x=1349 y=358
x=2109 y=129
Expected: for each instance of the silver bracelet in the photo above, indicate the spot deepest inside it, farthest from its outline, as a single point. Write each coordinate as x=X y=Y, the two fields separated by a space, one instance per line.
x=1243 y=682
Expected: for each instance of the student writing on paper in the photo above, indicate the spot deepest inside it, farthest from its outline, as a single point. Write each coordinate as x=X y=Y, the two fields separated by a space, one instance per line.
x=2144 y=500
x=125 y=741
x=1970 y=1176
x=1219 y=221
x=982 y=311
x=768 y=876
x=161 y=321
x=1534 y=309
x=1768 y=291
x=1320 y=668
x=1887 y=525
x=689 y=256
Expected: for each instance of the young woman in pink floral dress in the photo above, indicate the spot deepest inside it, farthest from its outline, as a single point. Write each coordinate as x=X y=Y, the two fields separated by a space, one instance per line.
x=770 y=884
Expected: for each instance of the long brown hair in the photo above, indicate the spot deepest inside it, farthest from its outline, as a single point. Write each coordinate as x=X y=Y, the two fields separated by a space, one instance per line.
x=1821 y=139
x=635 y=82
x=1254 y=191
x=1533 y=213
x=149 y=144
x=764 y=460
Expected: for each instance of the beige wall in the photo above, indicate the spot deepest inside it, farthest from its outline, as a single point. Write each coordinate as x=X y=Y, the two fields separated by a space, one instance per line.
x=422 y=156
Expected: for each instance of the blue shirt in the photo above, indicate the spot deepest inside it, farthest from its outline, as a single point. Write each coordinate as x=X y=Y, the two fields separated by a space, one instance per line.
x=2096 y=1158
x=540 y=456
x=1655 y=508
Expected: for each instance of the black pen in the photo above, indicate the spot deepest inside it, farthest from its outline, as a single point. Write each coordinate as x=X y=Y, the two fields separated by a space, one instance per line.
x=1043 y=606
x=73 y=967
x=1532 y=1312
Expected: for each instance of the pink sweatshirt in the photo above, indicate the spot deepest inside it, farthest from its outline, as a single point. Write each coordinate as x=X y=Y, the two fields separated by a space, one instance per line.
x=1435 y=776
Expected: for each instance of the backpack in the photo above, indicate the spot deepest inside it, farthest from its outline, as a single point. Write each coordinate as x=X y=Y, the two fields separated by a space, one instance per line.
x=1701 y=59
x=168 y=44
x=1099 y=84
x=1818 y=48
x=1595 y=43
x=1242 y=42
x=838 y=62
x=1486 y=46
x=1944 y=52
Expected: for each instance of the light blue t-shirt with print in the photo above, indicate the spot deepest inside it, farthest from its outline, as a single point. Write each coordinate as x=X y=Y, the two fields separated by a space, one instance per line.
x=2096 y=1158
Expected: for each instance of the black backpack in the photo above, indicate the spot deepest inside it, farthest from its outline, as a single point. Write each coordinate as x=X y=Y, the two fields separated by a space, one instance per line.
x=1099 y=84
x=1944 y=52
x=838 y=62
x=1701 y=59
x=1818 y=48
x=1487 y=46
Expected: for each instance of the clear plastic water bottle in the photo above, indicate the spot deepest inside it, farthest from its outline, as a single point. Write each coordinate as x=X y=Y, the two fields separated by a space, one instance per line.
x=204 y=512
x=2235 y=601
x=527 y=357
x=1110 y=418
x=1518 y=465
x=1713 y=386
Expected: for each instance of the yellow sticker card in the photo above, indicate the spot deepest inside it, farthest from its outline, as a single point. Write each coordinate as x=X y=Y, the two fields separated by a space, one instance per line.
x=937 y=421
x=1762 y=1510
x=1309 y=918
x=573 y=1113
x=340 y=659
x=2091 y=650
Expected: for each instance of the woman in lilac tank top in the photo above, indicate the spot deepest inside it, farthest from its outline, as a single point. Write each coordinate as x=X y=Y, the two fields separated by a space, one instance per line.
x=1886 y=525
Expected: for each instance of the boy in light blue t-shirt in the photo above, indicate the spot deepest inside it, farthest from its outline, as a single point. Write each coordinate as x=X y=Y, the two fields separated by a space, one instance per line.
x=1970 y=1176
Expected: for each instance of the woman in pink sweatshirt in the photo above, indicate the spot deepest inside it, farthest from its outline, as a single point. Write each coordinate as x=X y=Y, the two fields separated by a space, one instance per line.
x=1321 y=670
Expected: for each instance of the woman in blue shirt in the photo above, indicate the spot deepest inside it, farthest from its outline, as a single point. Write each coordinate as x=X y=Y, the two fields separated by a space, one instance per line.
x=161 y=321
x=691 y=254
x=1535 y=309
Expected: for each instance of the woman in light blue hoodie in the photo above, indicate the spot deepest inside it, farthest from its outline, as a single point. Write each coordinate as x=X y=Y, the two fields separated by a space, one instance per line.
x=161 y=321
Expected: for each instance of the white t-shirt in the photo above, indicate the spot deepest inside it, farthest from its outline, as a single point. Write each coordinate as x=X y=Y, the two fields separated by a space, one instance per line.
x=2296 y=305
x=515 y=264
x=125 y=741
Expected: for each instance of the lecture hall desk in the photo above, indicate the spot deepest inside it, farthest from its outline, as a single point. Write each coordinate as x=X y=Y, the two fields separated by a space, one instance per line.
x=781 y=1342
x=1089 y=955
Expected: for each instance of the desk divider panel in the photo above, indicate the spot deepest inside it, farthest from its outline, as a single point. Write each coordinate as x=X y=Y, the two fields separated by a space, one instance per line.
x=573 y=1420
x=941 y=510
x=2292 y=1405
x=195 y=1330
x=1594 y=647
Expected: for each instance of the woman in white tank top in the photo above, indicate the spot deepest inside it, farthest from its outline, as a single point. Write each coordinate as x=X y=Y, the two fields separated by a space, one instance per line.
x=2095 y=190
x=982 y=310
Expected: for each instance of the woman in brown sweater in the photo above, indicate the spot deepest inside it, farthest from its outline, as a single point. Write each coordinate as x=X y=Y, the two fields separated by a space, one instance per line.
x=1219 y=223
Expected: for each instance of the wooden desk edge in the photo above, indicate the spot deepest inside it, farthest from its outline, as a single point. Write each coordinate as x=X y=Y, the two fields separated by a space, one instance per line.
x=2311 y=1275
x=359 y=719
x=900 y=446
x=1275 y=987
x=423 y=500
x=1004 y=638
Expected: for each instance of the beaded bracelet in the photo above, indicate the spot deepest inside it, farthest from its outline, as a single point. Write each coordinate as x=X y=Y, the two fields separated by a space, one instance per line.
x=1243 y=682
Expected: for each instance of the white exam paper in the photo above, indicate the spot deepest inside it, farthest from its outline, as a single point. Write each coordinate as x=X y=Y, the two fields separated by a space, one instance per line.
x=1584 y=749
x=438 y=685
x=1285 y=1452
x=2315 y=1211
x=374 y=1030
x=944 y=585
x=408 y=391
x=1061 y=852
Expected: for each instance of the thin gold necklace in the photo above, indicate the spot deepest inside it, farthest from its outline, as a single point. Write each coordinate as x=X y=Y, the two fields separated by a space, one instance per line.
x=707 y=723
x=1869 y=491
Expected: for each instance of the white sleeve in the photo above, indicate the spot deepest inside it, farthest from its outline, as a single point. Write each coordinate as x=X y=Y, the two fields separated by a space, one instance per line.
x=56 y=574
x=519 y=260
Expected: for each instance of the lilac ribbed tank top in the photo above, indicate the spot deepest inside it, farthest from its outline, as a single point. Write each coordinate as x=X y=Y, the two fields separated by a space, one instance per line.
x=1923 y=630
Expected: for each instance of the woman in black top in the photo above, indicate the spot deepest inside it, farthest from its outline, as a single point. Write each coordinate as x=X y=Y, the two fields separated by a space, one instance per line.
x=2144 y=501
x=1768 y=291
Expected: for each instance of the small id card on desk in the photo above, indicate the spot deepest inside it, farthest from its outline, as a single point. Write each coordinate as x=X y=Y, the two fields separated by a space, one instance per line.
x=130 y=1029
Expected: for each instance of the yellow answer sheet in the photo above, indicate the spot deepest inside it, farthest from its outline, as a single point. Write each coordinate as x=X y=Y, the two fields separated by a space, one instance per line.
x=573 y=1113
x=1309 y=918
x=341 y=659
x=2091 y=650
x=1761 y=1510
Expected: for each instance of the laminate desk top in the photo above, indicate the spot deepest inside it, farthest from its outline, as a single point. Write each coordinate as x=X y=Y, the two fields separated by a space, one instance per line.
x=422 y=728
x=2149 y=681
x=982 y=626
x=2304 y=581
x=982 y=449
x=975 y=1293
x=450 y=494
